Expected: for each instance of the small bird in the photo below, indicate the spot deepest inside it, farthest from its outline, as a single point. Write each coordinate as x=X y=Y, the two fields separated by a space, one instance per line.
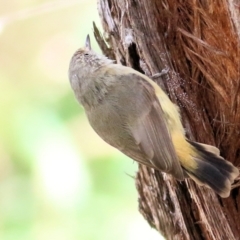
x=132 y=113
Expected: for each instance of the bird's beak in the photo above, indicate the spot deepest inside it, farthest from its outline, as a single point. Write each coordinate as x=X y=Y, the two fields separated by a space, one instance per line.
x=88 y=43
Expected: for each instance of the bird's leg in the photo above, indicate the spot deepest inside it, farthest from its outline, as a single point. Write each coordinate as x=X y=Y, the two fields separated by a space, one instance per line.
x=162 y=73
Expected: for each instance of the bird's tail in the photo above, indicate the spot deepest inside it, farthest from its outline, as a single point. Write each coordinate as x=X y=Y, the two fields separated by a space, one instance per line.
x=211 y=169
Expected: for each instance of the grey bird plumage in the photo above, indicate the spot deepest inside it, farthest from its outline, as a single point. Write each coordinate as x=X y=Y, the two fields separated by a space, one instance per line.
x=133 y=114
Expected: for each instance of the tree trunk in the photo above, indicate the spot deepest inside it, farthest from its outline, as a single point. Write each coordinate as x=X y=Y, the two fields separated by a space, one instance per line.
x=199 y=42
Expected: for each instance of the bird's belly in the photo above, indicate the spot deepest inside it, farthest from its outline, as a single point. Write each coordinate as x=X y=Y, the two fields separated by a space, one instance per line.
x=110 y=126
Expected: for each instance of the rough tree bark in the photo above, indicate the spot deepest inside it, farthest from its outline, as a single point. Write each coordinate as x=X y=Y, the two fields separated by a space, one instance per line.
x=198 y=40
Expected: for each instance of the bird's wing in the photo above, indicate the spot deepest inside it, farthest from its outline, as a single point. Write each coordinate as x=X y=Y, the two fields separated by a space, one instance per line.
x=137 y=119
x=150 y=129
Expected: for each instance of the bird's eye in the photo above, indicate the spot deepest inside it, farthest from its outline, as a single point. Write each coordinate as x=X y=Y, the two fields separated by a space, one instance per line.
x=86 y=54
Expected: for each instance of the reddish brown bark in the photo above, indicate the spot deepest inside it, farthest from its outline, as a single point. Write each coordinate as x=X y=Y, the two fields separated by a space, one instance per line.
x=199 y=42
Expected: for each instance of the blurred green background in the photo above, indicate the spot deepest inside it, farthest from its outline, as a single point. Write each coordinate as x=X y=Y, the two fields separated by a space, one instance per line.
x=58 y=179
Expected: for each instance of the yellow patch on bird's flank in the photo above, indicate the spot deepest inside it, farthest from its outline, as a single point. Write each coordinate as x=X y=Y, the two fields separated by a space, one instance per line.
x=171 y=111
x=184 y=150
